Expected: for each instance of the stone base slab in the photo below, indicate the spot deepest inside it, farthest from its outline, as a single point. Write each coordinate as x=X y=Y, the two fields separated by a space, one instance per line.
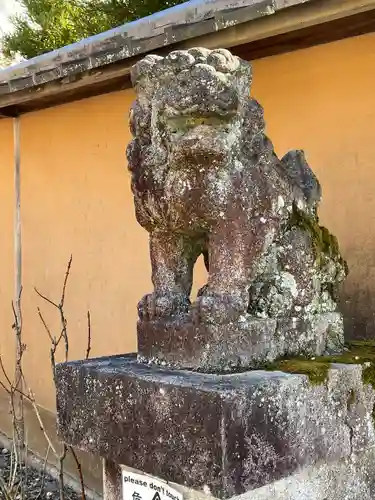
x=227 y=434
x=249 y=343
x=351 y=478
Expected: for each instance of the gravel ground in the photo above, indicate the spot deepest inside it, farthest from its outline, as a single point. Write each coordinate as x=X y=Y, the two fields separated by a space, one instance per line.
x=37 y=486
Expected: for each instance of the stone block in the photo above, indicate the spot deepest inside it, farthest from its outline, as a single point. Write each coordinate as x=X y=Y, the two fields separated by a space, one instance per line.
x=249 y=343
x=226 y=434
x=351 y=478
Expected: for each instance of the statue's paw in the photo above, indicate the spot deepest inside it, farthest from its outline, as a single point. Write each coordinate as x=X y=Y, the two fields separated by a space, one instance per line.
x=218 y=308
x=157 y=305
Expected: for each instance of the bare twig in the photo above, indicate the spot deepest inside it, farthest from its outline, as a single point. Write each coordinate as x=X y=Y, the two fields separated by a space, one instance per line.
x=61 y=472
x=79 y=469
x=40 y=421
x=43 y=474
x=46 y=298
x=16 y=396
x=15 y=465
x=45 y=326
x=30 y=397
x=4 y=371
x=64 y=334
x=66 y=281
x=55 y=342
x=60 y=307
x=6 y=491
x=88 y=350
x=19 y=391
x=5 y=389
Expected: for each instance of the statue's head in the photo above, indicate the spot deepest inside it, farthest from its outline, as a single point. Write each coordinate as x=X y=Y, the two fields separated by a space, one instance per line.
x=191 y=104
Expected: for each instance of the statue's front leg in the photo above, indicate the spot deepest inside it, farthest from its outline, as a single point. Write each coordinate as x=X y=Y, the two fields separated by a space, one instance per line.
x=172 y=261
x=234 y=250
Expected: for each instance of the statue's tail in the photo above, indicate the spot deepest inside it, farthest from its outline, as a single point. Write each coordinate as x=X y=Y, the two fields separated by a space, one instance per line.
x=300 y=173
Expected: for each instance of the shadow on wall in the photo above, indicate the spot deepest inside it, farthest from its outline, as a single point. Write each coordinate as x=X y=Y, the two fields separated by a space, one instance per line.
x=358 y=295
x=358 y=306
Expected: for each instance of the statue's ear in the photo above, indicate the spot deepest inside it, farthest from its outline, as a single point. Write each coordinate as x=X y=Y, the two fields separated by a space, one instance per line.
x=144 y=75
x=140 y=121
x=253 y=120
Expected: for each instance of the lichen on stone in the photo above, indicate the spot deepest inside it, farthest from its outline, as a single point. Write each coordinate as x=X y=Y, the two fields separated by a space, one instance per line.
x=351 y=398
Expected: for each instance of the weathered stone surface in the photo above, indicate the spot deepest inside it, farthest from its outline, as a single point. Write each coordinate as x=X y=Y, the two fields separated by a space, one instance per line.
x=351 y=478
x=348 y=479
x=226 y=434
x=250 y=343
x=206 y=180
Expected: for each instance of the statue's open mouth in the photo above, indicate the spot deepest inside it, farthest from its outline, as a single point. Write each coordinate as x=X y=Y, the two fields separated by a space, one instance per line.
x=187 y=122
x=198 y=137
x=196 y=126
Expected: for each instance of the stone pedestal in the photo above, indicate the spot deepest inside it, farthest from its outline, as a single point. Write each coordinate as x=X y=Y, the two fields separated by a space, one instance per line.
x=220 y=434
x=206 y=181
x=248 y=343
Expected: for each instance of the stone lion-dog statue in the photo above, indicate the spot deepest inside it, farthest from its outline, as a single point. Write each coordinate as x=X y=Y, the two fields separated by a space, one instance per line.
x=206 y=181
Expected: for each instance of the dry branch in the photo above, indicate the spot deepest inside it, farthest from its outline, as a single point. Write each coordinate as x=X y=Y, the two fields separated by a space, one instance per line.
x=88 y=350
x=18 y=391
x=55 y=342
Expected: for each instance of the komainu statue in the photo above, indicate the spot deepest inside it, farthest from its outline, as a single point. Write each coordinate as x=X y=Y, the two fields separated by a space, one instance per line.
x=206 y=181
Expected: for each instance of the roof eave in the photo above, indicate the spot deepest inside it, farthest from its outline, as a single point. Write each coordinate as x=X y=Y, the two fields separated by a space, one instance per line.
x=102 y=63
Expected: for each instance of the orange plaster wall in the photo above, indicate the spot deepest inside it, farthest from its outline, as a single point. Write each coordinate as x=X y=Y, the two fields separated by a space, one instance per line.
x=322 y=100
x=77 y=200
x=7 y=339
x=76 y=197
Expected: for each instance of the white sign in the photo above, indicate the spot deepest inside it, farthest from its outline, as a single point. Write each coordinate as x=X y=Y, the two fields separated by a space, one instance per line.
x=140 y=487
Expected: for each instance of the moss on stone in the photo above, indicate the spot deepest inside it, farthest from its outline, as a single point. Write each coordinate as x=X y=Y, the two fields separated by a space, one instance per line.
x=361 y=344
x=360 y=352
x=368 y=375
x=322 y=240
x=316 y=371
